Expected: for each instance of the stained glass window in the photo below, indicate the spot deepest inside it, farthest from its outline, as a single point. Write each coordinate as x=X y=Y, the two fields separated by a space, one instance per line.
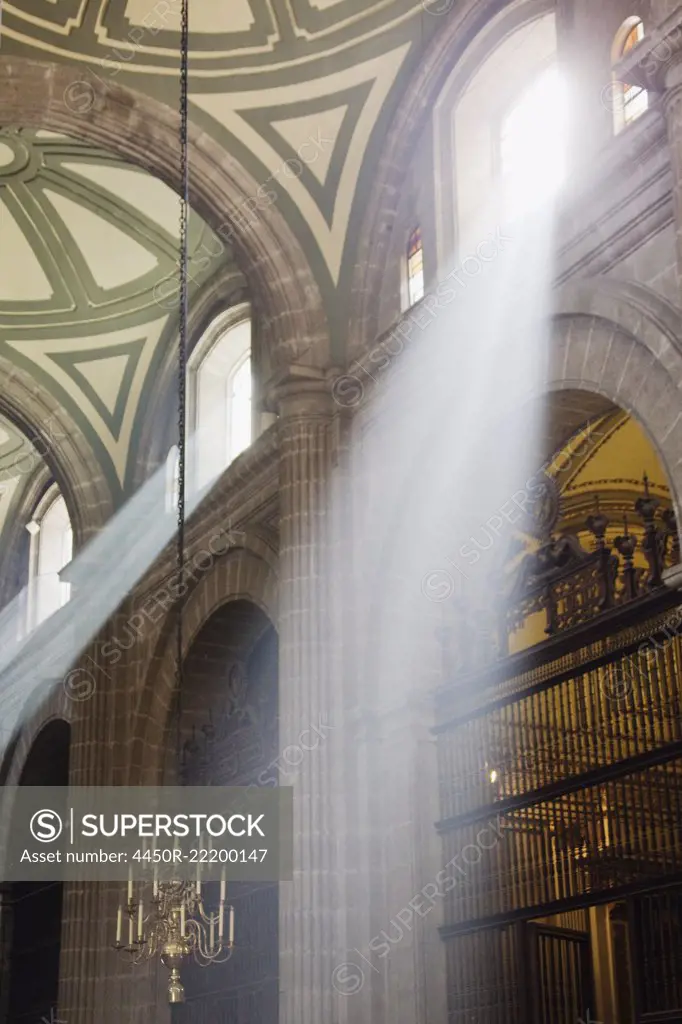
x=630 y=101
x=415 y=268
x=635 y=99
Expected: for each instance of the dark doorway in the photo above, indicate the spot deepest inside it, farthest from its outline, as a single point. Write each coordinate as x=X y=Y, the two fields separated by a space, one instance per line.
x=32 y=911
x=230 y=725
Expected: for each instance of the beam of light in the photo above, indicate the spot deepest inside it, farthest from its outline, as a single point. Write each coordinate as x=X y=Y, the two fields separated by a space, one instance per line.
x=533 y=144
x=449 y=437
x=104 y=573
x=454 y=437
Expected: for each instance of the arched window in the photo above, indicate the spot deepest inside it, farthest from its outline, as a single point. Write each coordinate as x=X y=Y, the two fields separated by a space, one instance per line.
x=629 y=101
x=478 y=133
x=532 y=142
x=415 y=268
x=51 y=549
x=220 y=395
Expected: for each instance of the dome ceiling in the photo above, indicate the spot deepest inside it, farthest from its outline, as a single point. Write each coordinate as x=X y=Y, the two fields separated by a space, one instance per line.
x=297 y=90
x=271 y=81
x=87 y=261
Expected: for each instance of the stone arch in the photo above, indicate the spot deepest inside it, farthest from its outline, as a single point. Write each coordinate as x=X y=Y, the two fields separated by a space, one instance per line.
x=145 y=132
x=33 y=905
x=640 y=373
x=55 y=707
x=64 y=449
x=242 y=574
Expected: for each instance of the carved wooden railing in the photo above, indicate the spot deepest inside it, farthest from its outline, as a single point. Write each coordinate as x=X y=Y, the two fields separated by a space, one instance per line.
x=572 y=585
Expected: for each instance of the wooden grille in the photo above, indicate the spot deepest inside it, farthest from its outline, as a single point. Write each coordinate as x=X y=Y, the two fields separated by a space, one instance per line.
x=561 y=788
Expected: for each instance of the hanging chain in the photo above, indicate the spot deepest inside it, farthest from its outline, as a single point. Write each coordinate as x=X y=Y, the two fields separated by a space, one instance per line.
x=182 y=347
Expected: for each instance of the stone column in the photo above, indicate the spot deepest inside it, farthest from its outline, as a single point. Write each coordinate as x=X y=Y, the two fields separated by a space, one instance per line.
x=365 y=799
x=95 y=985
x=82 y=930
x=394 y=970
x=311 y=905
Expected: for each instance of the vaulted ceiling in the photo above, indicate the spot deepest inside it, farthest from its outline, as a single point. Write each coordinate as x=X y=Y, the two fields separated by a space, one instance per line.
x=88 y=251
x=298 y=91
x=270 y=80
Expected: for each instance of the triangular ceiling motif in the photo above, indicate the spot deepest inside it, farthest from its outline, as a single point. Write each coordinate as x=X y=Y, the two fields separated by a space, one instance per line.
x=313 y=147
x=105 y=374
x=257 y=119
x=298 y=130
x=112 y=256
x=22 y=278
x=102 y=378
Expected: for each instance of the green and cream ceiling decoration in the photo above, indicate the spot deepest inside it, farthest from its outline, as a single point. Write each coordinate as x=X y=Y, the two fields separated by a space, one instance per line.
x=270 y=80
x=299 y=91
x=87 y=245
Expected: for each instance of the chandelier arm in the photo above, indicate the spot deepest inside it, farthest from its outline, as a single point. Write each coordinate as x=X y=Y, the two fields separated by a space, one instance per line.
x=197 y=945
x=221 y=957
x=206 y=917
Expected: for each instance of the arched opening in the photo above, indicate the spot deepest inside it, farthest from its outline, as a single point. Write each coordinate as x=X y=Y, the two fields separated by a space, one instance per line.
x=31 y=914
x=600 y=488
x=36 y=533
x=230 y=736
x=567 y=757
x=501 y=129
x=50 y=551
x=219 y=388
x=24 y=478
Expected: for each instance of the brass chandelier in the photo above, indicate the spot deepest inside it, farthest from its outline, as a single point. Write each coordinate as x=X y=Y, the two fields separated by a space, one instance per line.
x=173 y=926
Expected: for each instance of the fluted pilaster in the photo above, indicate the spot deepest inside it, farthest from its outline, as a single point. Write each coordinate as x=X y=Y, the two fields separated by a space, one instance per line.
x=95 y=986
x=310 y=905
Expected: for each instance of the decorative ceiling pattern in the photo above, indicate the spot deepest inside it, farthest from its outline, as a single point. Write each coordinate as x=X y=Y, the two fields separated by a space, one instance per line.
x=244 y=35
x=89 y=249
x=298 y=91
x=294 y=89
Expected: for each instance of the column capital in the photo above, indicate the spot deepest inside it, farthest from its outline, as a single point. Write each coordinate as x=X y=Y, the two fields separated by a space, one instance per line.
x=300 y=391
x=656 y=62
